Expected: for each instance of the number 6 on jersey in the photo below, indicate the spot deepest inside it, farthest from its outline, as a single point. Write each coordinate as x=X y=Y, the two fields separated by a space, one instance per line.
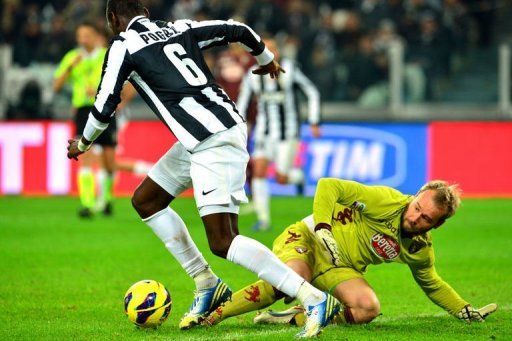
x=185 y=65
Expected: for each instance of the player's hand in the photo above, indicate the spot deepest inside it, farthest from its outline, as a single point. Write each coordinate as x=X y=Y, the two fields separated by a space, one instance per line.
x=73 y=151
x=315 y=130
x=470 y=314
x=326 y=238
x=273 y=69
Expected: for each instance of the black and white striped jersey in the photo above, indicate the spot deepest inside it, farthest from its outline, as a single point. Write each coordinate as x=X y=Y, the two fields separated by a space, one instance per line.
x=278 y=106
x=163 y=60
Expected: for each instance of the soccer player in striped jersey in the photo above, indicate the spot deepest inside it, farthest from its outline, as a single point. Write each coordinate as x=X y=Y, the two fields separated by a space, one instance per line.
x=353 y=226
x=276 y=133
x=163 y=60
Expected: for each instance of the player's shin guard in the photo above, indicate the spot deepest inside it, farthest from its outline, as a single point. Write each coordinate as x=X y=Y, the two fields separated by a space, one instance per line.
x=86 y=187
x=171 y=230
x=257 y=258
x=253 y=297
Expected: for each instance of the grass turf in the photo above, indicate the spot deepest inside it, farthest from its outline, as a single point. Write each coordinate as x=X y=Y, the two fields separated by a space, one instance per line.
x=64 y=278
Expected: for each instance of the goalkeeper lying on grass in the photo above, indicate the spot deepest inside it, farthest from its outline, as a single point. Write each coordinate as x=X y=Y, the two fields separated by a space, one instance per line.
x=352 y=226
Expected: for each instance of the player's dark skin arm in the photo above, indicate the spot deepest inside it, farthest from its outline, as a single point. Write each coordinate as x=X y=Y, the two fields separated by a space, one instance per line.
x=221 y=228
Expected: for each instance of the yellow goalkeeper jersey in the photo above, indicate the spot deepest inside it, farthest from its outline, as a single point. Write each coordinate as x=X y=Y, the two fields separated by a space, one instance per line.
x=366 y=223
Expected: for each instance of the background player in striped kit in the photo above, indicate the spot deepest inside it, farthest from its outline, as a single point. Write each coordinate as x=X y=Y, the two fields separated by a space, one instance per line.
x=277 y=129
x=165 y=64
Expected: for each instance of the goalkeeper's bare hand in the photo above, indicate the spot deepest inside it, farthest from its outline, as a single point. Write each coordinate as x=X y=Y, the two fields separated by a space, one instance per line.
x=470 y=314
x=325 y=237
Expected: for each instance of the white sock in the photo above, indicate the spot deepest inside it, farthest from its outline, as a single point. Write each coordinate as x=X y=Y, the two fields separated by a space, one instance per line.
x=310 y=297
x=171 y=230
x=296 y=176
x=260 y=197
x=257 y=258
x=141 y=168
x=205 y=279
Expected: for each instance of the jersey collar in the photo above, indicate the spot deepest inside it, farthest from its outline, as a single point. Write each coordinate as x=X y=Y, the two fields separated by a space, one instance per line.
x=134 y=19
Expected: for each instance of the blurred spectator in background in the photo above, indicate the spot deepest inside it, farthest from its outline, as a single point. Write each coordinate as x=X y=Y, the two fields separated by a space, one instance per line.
x=78 y=11
x=456 y=20
x=323 y=36
x=29 y=37
x=414 y=76
x=265 y=16
x=431 y=50
x=484 y=12
x=56 y=42
x=185 y=9
x=13 y=19
x=367 y=73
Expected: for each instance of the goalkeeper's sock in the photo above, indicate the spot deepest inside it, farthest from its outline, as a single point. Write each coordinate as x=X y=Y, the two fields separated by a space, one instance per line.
x=86 y=187
x=171 y=230
x=255 y=296
x=260 y=197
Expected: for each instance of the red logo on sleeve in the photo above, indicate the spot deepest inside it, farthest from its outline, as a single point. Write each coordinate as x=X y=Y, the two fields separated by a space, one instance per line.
x=384 y=246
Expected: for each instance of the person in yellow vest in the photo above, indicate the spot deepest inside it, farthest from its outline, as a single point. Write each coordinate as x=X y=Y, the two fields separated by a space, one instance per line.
x=353 y=226
x=82 y=68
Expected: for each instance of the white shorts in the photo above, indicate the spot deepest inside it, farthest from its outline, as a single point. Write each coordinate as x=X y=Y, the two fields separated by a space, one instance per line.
x=281 y=152
x=215 y=168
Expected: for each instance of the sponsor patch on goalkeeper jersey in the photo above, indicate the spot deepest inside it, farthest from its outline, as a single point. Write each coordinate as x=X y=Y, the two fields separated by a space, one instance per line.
x=384 y=246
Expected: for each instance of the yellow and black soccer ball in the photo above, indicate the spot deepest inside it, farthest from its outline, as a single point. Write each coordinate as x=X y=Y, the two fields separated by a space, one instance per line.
x=147 y=303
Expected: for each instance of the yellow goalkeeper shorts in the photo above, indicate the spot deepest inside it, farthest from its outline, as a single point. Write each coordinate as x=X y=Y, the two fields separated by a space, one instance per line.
x=298 y=243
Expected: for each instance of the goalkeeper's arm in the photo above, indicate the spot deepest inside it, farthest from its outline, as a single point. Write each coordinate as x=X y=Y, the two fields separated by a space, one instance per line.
x=443 y=295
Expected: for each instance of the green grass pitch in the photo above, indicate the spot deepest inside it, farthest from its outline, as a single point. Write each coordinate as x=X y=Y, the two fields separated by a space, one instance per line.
x=62 y=278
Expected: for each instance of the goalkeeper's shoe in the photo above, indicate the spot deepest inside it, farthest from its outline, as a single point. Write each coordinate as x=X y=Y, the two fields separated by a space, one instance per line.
x=295 y=316
x=319 y=316
x=205 y=302
x=470 y=314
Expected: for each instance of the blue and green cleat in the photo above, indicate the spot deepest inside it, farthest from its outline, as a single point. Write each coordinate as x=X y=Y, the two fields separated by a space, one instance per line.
x=319 y=316
x=205 y=302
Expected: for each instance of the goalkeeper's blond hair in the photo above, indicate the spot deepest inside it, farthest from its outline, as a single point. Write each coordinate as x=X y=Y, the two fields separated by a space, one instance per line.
x=446 y=197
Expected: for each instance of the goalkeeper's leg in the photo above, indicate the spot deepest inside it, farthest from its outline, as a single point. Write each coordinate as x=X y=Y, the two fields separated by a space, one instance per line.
x=255 y=296
x=360 y=305
x=360 y=302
